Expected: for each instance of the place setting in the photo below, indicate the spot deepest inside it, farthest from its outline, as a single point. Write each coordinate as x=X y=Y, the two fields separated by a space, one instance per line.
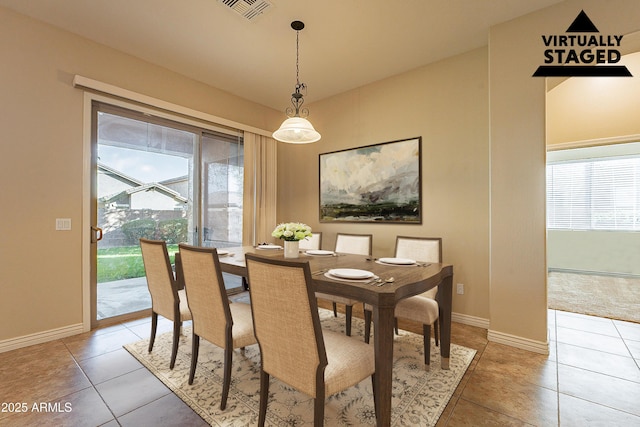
x=268 y=247
x=400 y=262
x=354 y=275
x=224 y=252
x=319 y=252
x=396 y=261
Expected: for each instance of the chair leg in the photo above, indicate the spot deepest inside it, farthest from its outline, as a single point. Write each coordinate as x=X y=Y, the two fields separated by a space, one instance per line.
x=264 y=397
x=367 y=325
x=349 y=314
x=177 y=324
x=318 y=411
x=373 y=387
x=436 y=331
x=226 y=381
x=395 y=326
x=195 y=346
x=426 y=331
x=335 y=310
x=154 y=327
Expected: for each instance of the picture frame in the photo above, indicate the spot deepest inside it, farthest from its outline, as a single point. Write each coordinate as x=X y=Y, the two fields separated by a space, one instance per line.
x=379 y=183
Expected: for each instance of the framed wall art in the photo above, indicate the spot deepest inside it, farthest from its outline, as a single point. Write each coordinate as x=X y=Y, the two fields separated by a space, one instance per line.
x=379 y=183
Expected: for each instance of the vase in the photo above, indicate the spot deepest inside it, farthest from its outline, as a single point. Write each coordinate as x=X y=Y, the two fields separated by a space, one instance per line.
x=291 y=248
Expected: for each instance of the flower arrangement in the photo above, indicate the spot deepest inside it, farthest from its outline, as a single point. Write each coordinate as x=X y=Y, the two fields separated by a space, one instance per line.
x=292 y=231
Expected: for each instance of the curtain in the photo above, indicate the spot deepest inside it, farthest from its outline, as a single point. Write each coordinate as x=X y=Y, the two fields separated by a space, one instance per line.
x=260 y=188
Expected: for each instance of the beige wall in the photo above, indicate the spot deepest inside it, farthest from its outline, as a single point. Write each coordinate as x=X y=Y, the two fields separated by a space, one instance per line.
x=447 y=104
x=596 y=251
x=41 y=149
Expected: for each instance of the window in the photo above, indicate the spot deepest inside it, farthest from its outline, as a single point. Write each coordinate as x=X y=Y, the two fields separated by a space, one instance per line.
x=594 y=193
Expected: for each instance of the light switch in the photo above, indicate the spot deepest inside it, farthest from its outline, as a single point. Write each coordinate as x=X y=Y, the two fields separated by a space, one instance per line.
x=63 y=224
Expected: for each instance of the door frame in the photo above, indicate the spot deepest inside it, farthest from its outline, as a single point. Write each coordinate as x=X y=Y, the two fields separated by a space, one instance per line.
x=146 y=105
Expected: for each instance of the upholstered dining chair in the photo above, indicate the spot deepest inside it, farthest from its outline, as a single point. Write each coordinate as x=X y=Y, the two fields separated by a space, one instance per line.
x=420 y=308
x=360 y=244
x=425 y=250
x=354 y=243
x=166 y=299
x=316 y=362
x=313 y=242
x=229 y=326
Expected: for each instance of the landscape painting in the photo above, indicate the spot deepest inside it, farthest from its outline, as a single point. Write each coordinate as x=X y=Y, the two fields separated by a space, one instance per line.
x=376 y=183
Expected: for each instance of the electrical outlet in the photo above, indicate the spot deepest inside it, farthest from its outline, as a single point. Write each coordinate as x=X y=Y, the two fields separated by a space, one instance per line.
x=460 y=289
x=63 y=224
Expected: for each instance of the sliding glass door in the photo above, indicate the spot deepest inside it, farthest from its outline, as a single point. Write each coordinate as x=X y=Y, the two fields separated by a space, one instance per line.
x=222 y=178
x=152 y=176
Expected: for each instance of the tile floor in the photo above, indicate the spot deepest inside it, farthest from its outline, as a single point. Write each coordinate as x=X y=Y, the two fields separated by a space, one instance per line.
x=590 y=378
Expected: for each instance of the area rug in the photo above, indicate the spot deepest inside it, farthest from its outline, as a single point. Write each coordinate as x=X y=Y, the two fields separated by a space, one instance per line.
x=419 y=396
x=613 y=297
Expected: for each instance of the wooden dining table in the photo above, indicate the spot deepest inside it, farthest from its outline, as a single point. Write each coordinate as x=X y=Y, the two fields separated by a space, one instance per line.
x=407 y=281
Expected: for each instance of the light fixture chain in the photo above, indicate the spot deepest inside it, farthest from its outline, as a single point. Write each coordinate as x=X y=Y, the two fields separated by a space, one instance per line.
x=298 y=58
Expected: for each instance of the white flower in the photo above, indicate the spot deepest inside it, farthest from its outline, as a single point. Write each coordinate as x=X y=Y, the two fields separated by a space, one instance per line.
x=292 y=231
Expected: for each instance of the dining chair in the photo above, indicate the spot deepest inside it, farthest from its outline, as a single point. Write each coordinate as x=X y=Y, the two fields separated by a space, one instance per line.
x=360 y=244
x=315 y=361
x=425 y=250
x=166 y=299
x=229 y=326
x=421 y=308
x=313 y=242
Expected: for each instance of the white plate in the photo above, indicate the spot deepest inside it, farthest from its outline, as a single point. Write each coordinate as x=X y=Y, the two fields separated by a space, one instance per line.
x=222 y=252
x=350 y=273
x=319 y=252
x=269 y=247
x=397 y=261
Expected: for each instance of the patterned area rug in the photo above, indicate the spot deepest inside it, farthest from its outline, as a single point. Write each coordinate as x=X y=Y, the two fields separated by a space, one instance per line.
x=419 y=396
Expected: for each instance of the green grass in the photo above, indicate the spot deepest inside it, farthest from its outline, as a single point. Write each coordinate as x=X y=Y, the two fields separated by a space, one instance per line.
x=124 y=262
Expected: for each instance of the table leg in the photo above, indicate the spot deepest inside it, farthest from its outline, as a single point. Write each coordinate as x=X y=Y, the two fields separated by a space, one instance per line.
x=383 y=319
x=445 y=297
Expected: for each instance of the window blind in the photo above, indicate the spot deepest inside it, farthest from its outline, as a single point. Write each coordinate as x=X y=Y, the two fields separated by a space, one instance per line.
x=594 y=194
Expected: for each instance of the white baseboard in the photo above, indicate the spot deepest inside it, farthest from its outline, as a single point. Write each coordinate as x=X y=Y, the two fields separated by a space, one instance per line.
x=593 y=273
x=518 y=342
x=465 y=319
x=500 y=337
x=40 y=337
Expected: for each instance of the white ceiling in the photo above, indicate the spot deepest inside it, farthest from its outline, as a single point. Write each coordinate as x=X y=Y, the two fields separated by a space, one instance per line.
x=345 y=44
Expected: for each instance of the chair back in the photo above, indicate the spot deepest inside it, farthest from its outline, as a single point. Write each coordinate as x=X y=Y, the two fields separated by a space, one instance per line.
x=313 y=242
x=286 y=322
x=360 y=244
x=424 y=249
x=162 y=285
x=206 y=293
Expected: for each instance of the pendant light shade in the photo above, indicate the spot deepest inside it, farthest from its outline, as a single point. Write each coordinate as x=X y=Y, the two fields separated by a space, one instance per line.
x=297 y=129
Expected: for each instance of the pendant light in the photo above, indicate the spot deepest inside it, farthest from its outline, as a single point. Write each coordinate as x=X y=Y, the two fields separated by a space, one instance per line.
x=297 y=129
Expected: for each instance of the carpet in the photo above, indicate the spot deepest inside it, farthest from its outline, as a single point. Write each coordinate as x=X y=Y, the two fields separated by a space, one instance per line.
x=419 y=396
x=612 y=297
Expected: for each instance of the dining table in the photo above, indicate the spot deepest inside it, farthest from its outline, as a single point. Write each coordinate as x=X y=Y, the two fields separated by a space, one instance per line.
x=395 y=283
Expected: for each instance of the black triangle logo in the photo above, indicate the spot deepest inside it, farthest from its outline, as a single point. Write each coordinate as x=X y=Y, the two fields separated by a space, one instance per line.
x=582 y=24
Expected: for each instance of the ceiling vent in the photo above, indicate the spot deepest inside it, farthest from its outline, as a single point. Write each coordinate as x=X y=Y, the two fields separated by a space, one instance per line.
x=249 y=9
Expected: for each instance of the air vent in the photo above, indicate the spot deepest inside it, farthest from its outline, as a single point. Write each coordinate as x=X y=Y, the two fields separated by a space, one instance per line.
x=249 y=9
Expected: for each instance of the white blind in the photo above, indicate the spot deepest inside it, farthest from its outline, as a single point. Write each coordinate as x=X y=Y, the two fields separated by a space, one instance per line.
x=594 y=194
